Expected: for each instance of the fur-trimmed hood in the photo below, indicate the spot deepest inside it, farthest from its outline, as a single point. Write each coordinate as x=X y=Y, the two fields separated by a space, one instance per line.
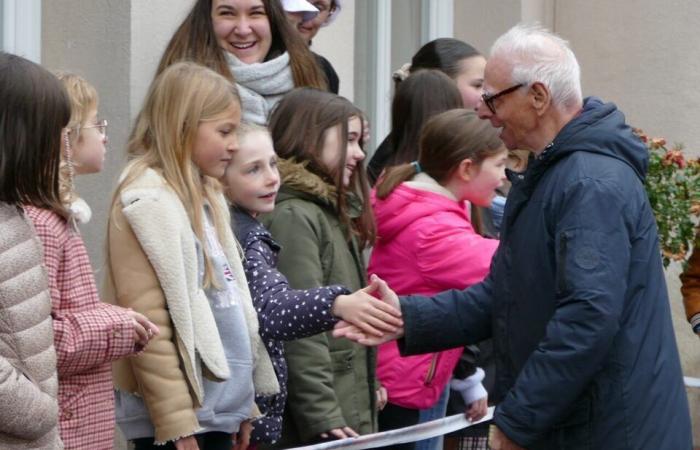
x=299 y=182
x=295 y=176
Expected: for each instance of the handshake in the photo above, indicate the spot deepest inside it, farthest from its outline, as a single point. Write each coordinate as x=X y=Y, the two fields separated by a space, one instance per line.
x=367 y=320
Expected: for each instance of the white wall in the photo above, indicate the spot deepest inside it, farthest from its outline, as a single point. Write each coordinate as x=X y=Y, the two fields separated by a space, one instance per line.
x=644 y=56
x=93 y=39
x=336 y=42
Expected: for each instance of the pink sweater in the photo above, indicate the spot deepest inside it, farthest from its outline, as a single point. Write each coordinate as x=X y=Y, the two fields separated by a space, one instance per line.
x=426 y=244
x=88 y=335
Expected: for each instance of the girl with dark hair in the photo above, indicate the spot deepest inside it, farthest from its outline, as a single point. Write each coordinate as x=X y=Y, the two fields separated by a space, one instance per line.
x=459 y=61
x=419 y=97
x=249 y=42
x=423 y=222
x=322 y=221
x=34 y=108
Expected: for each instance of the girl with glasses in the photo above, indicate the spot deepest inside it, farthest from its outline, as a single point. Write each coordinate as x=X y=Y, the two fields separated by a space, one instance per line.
x=88 y=334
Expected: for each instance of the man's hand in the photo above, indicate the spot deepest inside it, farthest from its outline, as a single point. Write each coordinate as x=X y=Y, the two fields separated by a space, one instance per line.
x=372 y=316
x=353 y=333
x=144 y=329
x=499 y=441
x=241 y=440
x=340 y=433
x=187 y=443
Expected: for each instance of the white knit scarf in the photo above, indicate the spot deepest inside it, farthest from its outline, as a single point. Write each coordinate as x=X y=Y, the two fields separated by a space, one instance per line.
x=261 y=85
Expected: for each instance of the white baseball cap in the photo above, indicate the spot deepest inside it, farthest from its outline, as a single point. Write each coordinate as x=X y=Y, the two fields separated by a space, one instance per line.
x=307 y=10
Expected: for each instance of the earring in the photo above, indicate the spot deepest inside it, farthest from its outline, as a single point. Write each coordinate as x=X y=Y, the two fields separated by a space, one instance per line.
x=69 y=159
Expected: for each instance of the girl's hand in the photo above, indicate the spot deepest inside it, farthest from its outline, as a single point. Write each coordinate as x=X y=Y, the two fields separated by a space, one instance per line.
x=372 y=316
x=381 y=398
x=340 y=433
x=144 y=329
x=241 y=440
x=187 y=443
x=477 y=409
x=353 y=333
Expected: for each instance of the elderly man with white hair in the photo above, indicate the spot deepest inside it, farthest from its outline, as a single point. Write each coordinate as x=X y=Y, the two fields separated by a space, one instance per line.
x=576 y=300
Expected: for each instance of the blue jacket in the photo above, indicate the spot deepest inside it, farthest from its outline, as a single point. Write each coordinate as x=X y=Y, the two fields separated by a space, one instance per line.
x=284 y=313
x=576 y=301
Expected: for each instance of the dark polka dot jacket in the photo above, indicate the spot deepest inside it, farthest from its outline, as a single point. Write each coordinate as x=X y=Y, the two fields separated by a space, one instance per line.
x=285 y=314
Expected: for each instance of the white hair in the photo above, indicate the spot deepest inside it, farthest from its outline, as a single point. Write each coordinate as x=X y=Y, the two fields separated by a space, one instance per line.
x=535 y=54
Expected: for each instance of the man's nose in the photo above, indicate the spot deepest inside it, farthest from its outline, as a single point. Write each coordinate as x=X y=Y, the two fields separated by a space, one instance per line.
x=482 y=110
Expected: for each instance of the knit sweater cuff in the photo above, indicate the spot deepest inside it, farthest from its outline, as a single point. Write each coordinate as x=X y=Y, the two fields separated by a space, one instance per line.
x=470 y=387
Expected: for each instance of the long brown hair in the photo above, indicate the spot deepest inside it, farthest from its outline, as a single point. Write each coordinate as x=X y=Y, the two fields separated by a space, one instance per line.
x=298 y=125
x=418 y=98
x=194 y=40
x=446 y=140
x=33 y=112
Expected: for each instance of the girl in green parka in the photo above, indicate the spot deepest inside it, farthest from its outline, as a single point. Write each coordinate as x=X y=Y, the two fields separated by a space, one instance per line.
x=323 y=223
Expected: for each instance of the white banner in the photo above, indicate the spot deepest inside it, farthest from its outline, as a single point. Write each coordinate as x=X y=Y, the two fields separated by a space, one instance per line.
x=402 y=435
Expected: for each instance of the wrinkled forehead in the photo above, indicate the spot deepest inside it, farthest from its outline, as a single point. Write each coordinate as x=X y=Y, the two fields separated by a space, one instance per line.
x=497 y=74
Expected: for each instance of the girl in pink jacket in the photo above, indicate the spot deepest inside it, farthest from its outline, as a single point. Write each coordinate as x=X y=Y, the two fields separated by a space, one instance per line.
x=426 y=244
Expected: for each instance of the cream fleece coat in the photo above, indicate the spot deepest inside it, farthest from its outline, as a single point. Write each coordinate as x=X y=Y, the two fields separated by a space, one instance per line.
x=158 y=220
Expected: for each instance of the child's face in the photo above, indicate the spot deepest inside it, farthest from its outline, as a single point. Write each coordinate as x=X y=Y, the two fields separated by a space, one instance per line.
x=331 y=154
x=215 y=143
x=89 y=151
x=242 y=28
x=252 y=179
x=484 y=179
x=470 y=80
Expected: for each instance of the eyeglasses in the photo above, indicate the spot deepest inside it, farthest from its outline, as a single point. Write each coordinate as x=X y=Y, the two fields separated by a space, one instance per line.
x=101 y=127
x=489 y=98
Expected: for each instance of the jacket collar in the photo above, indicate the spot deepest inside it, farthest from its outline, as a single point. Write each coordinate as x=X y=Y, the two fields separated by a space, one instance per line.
x=299 y=182
x=248 y=229
x=425 y=182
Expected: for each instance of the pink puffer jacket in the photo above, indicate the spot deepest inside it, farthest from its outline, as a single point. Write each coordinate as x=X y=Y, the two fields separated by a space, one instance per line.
x=426 y=244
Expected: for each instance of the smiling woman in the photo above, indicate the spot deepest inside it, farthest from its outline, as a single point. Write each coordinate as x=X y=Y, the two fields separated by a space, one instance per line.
x=251 y=42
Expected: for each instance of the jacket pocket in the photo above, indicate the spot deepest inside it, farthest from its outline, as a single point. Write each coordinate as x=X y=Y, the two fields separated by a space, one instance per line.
x=232 y=396
x=561 y=263
x=71 y=402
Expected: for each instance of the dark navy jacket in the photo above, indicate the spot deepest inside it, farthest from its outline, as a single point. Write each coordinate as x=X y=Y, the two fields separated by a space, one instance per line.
x=284 y=314
x=576 y=301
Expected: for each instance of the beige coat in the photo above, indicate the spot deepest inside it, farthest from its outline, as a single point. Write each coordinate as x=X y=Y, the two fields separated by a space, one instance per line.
x=152 y=268
x=28 y=383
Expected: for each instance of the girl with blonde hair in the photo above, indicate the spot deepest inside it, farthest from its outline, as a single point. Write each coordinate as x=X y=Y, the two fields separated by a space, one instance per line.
x=171 y=255
x=88 y=334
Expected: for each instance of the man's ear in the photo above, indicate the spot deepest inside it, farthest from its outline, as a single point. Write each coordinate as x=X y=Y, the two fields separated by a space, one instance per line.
x=541 y=97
